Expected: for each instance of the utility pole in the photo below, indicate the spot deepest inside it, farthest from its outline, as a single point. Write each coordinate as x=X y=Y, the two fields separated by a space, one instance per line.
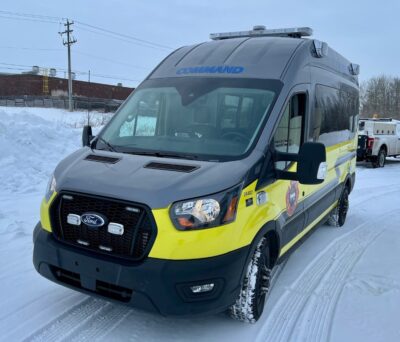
x=70 y=40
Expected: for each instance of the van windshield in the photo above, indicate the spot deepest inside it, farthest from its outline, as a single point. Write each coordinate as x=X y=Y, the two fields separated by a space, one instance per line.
x=192 y=117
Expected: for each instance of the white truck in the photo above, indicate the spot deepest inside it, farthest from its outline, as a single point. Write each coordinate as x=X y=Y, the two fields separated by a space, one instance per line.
x=378 y=139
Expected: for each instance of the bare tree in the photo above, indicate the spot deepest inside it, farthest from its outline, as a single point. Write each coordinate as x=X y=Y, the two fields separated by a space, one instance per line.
x=380 y=96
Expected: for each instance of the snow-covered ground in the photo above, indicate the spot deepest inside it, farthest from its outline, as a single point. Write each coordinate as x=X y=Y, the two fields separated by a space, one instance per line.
x=339 y=285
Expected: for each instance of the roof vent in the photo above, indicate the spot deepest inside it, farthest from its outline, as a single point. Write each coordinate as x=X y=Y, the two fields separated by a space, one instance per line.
x=171 y=167
x=354 y=69
x=259 y=28
x=320 y=48
x=261 y=31
x=102 y=159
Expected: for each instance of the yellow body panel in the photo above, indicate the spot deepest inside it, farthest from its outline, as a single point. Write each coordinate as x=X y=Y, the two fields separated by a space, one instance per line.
x=179 y=245
x=44 y=212
x=173 y=244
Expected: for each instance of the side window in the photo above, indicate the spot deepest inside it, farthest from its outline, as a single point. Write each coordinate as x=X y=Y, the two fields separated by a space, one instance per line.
x=335 y=115
x=289 y=134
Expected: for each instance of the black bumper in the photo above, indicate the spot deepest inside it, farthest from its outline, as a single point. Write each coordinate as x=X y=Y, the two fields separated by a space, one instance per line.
x=156 y=285
x=363 y=152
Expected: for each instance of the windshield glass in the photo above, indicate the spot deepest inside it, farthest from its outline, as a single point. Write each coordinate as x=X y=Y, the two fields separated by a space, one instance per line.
x=200 y=118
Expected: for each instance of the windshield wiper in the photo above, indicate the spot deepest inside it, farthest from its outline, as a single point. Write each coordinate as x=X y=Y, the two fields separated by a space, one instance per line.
x=163 y=154
x=110 y=147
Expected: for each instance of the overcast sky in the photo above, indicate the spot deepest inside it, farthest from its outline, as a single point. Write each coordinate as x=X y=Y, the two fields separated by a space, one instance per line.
x=366 y=32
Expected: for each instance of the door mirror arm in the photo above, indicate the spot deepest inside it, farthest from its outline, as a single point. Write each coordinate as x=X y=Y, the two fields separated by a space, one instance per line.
x=289 y=157
x=311 y=164
x=87 y=135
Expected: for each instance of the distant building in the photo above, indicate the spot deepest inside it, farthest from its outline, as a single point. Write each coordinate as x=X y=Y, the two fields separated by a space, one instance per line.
x=34 y=87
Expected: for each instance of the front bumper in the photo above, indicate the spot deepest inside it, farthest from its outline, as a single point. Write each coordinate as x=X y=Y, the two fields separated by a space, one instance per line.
x=152 y=284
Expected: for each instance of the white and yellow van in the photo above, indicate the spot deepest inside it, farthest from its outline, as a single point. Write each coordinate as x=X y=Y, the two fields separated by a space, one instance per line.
x=210 y=173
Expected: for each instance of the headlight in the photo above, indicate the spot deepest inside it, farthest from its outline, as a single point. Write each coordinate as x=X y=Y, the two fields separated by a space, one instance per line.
x=51 y=187
x=206 y=212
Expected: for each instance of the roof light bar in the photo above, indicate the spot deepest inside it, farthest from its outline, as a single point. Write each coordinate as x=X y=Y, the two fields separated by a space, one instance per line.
x=261 y=31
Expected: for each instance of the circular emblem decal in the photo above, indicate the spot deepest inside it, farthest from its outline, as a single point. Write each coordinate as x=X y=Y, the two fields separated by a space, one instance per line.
x=292 y=197
x=93 y=220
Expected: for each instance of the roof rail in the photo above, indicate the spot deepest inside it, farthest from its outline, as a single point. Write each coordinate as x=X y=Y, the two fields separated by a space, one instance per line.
x=261 y=31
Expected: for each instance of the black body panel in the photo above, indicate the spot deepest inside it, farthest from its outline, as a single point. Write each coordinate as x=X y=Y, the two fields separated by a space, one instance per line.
x=153 y=284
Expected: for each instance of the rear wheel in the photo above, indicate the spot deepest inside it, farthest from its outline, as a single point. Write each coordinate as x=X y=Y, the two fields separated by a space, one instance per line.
x=249 y=306
x=380 y=159
x=337 y=217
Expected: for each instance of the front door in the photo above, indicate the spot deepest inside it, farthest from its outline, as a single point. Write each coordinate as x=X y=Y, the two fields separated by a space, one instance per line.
x=288 y=138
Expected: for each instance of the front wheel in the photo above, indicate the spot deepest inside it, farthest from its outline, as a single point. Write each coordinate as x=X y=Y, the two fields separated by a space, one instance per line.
x=337 y=217
x=249 y=306
x=380 y=159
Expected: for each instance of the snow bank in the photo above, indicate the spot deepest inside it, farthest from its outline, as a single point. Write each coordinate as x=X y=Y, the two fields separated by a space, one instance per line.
x=31 y=148
x=34 y=140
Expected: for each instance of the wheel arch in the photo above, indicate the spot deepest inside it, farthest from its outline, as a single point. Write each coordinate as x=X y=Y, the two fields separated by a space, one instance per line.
x=348 y=183
x=270 y=231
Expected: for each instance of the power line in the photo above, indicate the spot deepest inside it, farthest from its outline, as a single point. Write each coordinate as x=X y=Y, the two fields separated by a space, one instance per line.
x=29 y=19
x=84 y=26
x=125 y=36
x=113 y=77
x=29 y=48
x=77 y=72
x=110 y=60
x=119 y=38
x=39 y=16
x=78 y=52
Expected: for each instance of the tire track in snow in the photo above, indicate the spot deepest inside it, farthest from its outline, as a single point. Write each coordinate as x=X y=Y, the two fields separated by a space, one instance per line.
x=64 y=325
x=319 y=311
x=312 y=299
x=101 y=324
x=18 y=309
x=375 y=195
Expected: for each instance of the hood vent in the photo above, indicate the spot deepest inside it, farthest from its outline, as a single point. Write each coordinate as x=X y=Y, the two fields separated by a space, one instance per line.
x=102 y=159
x=171 y=167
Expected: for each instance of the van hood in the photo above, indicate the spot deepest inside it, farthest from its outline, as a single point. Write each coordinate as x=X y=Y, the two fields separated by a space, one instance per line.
x=128 y=178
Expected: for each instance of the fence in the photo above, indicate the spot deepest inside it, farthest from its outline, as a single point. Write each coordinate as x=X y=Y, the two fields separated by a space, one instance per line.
x=83 y=103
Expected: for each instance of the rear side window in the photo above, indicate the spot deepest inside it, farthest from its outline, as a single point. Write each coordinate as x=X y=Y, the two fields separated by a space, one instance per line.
x=335 y=115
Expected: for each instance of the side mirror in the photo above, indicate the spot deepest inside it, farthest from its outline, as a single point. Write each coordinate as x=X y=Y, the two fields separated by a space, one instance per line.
x=87 y=135
x=311 y=164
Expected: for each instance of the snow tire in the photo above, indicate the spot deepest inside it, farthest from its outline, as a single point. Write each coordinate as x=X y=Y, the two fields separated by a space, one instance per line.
x=249 y=305
x=337 y=217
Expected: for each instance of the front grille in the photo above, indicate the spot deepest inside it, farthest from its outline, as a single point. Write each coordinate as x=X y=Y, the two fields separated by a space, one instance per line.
x=102 y=288
x=139 y=227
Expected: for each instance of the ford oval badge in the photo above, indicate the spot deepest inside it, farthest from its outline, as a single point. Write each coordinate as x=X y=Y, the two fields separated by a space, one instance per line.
x=93 y=220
